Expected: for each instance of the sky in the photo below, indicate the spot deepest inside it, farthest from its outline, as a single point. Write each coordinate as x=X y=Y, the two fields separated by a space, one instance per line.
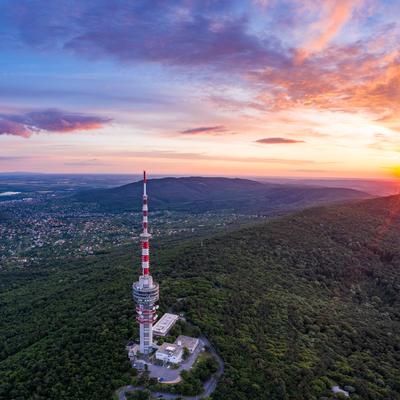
x=295 y=88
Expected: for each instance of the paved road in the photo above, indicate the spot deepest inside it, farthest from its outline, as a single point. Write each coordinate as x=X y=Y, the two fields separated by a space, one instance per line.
x=130 y=388
x=209 y=386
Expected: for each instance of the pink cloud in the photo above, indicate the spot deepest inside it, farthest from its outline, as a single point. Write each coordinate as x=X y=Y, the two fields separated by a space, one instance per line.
x=14 y=128
x=52 y=120
x=334 y=15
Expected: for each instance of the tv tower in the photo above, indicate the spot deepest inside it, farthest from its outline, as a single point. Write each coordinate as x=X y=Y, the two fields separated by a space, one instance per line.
x=145 y=291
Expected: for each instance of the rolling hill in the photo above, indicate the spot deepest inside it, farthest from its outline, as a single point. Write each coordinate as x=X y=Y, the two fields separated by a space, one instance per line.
x=302 y=303
x=294 y=306
x=199 y=194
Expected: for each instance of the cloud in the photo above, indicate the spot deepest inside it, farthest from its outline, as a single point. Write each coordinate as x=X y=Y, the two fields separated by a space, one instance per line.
x=179 y=33
x=175 y=155
x=8 y=127
x=341 y=78
x=310 y=171
x=51 y=120
x=384 y=142
x=391 y=118
x=85 y=163
x=11 y=158
x=357 y=73
x=214 y=130
x=278 y=140
x=335 y=13
x=197 y=41
x=231 y=104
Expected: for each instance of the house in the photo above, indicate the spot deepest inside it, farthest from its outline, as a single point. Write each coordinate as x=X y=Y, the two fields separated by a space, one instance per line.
x=337 y=389
x=170 y=352
x=186 y=341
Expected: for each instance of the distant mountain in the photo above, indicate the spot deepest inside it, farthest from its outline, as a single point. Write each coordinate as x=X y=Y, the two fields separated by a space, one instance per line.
x=200 y=194
x=34 y=182
x=377 y=187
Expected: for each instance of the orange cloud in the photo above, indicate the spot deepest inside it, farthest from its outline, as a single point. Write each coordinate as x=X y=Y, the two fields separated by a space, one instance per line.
x=335 y=13
x=340 y=79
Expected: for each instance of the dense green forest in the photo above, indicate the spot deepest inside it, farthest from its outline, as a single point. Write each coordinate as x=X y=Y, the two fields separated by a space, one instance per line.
x=294 y=306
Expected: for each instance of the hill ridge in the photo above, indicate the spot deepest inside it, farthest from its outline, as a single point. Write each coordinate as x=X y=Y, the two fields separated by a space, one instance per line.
x=199 y=194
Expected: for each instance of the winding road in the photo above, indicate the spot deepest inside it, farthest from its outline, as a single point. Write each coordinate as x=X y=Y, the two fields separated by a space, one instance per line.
x=209 y=385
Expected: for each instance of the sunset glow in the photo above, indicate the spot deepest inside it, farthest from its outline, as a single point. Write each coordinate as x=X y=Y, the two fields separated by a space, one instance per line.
x=261 y=88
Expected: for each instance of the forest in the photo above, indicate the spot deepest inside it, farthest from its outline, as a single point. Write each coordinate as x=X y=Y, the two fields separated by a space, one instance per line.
x=202 y=194
x=294 y=306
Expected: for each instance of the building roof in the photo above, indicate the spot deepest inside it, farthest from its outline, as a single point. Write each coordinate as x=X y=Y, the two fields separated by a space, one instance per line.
x=166 y=322
x=170 y=349
x=337 y=389
x=187 y=341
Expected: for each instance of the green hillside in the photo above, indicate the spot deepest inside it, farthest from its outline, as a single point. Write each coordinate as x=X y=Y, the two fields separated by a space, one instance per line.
x=294 y=306
x=302 y=303
x=200 y=194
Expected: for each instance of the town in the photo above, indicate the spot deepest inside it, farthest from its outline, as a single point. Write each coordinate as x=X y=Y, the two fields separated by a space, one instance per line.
x=46 y=225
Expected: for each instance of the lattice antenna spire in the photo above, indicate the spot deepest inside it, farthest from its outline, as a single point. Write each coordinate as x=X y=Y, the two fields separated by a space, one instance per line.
x=145 y=236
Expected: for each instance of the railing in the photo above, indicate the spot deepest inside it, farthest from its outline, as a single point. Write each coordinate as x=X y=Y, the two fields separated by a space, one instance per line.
x=145 y=320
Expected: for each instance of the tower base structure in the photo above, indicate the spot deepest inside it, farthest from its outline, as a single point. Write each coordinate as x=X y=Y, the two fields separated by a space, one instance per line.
x=146 y=294
x=145 y=291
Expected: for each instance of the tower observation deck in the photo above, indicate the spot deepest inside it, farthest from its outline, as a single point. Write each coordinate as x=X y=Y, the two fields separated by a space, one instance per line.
x=145 y=290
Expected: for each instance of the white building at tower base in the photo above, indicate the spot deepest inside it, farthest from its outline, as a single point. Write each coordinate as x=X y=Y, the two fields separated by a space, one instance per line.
x=164 y=324
x=173 y=352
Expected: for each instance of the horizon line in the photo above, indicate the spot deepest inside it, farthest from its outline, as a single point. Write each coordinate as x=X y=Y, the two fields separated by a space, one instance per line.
x=202 y=175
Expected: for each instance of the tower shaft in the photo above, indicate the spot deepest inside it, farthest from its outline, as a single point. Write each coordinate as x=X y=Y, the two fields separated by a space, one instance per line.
x=145 y=291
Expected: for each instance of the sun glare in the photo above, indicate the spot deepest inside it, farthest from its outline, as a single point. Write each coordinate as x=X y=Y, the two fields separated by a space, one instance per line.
x=396 y=171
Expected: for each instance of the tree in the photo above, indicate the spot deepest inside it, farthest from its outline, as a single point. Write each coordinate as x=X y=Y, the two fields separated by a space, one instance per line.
x=186 y=353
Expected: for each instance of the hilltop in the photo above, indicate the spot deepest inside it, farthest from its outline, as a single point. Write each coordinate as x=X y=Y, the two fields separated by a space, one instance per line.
x=294 y=306
x=199 y=194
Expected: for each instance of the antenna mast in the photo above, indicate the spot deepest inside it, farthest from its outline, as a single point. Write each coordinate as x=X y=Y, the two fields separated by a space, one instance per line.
x=145 y=291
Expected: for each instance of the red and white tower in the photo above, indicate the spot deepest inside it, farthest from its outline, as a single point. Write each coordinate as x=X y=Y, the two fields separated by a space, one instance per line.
x=145 y=291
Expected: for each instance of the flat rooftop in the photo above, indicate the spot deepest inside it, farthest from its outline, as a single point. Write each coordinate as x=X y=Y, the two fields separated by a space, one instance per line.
x=187 y=341
x=169 y=349
x=167 y=321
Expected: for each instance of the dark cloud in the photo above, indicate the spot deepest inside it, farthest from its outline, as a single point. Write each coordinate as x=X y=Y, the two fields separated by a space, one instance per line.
x=175 y=32
x=278 y=140
x=218 y=129
x=52 y=120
